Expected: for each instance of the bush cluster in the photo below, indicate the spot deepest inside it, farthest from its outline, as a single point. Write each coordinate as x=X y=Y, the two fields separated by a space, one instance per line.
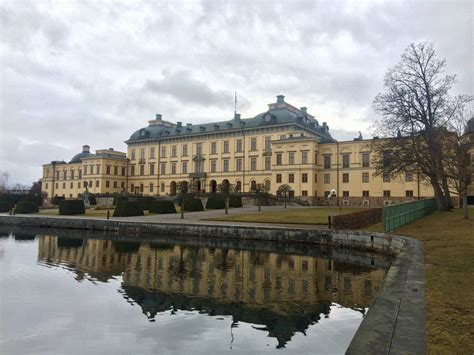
x=9 y=200
x=71 y=207
x=215 y=202
x=358 y=219
x=162 y=206
x=6 y=205
x=235 y=200
x=56 y=201
x=144 y=201
x=193 y=204
x=26 y=207
x=126 y=208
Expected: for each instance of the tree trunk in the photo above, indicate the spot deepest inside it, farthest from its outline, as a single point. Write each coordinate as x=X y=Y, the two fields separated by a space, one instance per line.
x=464 y=206
x=259 y=205
x=285 y=202
x=447 y=194
x=227 y=205
x=182 y=208
x=439 y=196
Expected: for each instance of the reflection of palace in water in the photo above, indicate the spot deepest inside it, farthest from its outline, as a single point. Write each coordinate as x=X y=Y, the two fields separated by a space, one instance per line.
x=252 y=286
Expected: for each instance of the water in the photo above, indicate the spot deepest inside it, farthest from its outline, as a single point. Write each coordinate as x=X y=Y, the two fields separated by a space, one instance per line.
x=63 y=295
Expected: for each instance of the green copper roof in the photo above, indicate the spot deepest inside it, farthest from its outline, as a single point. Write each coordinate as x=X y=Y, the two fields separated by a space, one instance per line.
x=277 y=116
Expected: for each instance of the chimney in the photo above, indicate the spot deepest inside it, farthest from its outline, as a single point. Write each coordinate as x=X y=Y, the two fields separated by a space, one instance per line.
x=237 y=116
x=280 y=99
x=179 y=124
x=303 y=110
x=111 y=149
x=86 y=148
x=158 y=117
x=189 y=124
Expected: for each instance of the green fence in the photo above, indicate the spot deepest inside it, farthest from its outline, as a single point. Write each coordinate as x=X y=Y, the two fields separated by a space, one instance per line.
x=398 y=215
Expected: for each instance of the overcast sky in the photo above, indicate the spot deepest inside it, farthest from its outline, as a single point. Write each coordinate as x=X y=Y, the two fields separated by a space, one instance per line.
x=93 y=72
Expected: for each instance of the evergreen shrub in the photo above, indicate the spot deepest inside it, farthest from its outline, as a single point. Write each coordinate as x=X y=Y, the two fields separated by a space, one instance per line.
x=193 y=204
x=71 y=207
x=26 y=207
x=215 y=202
x=162 y=206
x=235 y=200
x=359 y=219
x=6 y=205
x=126 y=208
x=56 y=201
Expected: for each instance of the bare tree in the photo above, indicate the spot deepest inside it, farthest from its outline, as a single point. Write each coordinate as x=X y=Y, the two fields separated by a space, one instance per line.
x=260 y=192
x=416 y=110
x=284 y=191
x=183 y=188
x=225 y=188
x=458 y=145
x=4 y=175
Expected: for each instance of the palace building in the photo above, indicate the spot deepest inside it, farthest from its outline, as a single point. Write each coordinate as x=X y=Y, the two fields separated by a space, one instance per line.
x=283 y=145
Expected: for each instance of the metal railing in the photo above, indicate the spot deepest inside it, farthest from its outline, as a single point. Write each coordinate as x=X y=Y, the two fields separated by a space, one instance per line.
x=396 y=216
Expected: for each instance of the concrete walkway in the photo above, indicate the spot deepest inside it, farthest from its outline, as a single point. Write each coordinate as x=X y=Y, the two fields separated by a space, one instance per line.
x=201 y=218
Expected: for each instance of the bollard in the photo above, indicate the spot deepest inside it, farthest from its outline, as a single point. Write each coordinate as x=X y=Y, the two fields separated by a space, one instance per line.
x=329 y=222
x=108 y=214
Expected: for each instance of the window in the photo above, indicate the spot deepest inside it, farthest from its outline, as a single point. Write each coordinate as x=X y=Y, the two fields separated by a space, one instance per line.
x=278 y=159
x=57 y=175
x=174 y=151
x=142 y=170
x=291 y=158
x=198 y=148
x=46 y=186
x=226 y=146
x=97 y=169
x=184 y=150
x=163 y=152
x=253 y=144
x=107 y=169
x=386 y=193
x=409 y=193
x=386 y=177
x=238 y=146
x=345 y=161
x=291 y=178
x=408 y=176
x=253 y=164
x=213 y=166
x=97 y=183
x=162 y=187
x=85 y=171
x=327 y=162
x=122 y=184
x=278 y=178
x=304 y=193
x=327 y=178
x=80 y=174
x=132 y=170
x=213 y=148
x=253 y=185
x=345 y=178
x=92 y=169
x=115 y=170
x=268 y=163
x=123 y=171
x=115 y=184
x=315 y=178
x=132 y=188
x=152 y=169
x=152 y=153
x=71 y=185
x=107 y=183
x=142 y=154
x=304 y=157
x=184 y=167
x=267 y=185
x=282 y=136
x=268 y=142
x=365 y=193
x=132 y=154
x=238 y=165
x=163 y=169
x=225 y=165
x=387 y=159
x=365 y=177
x=173 y=168
x=151 y=187
x=345 y=193
x=365 y=160
x=78 y=185
x=304 y=177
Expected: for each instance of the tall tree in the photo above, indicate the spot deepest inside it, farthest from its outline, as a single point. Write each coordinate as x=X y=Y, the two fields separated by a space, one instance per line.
x=416 y=110
x=260 y=194
x=284 y=191
x=226 y=189
x=183 y=188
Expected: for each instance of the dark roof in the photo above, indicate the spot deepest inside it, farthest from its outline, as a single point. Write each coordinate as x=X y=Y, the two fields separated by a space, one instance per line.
x=78 y=157
x=277 y=116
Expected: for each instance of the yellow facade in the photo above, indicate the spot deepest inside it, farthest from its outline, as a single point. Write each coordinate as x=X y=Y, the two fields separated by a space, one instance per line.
x=284 y=145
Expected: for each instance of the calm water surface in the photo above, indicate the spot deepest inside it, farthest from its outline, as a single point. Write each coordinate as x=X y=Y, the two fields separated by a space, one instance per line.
x=63 y=295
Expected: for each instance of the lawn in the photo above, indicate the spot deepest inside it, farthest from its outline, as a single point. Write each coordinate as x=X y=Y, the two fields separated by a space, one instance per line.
x=89 y=212
x=448 y=242
x=290 y=216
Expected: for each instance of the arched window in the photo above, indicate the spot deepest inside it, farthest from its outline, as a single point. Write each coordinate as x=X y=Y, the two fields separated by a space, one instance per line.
x=238 y=186
x=253 y=185
x=267 y=185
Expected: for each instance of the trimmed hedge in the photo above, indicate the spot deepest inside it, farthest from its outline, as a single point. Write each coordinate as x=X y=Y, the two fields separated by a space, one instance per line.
x=127 y=208
x=57 y=200
x=6 y=205
x=144 y=201
x=71 y=207
x=215 y=202
x=235 y=201
x=358 y=219
x=26 y=207
x=92 y=200
x=193 y=205
x=162 y=206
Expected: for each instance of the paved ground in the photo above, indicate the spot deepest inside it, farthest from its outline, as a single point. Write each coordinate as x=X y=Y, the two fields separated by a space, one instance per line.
x=200 y=217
